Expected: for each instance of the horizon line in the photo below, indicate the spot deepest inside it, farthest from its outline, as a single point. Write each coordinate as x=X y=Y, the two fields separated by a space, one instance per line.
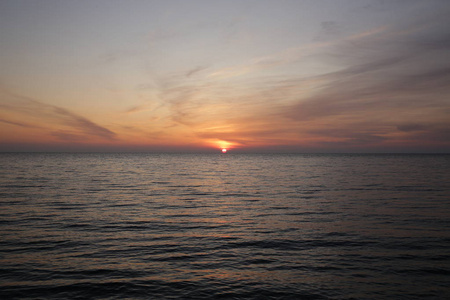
x=213 y=152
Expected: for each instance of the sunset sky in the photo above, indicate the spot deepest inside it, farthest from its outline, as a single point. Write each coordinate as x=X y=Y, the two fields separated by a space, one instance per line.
x=276 y=76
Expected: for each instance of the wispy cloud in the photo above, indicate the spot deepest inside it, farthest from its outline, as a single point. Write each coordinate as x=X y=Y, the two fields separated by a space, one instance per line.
x=295 y=54
x=51 y=115
x=390 y=87
x=20 y=124
x=194 y=71
x=68 y=136
x=83 y=124
x=280 y=58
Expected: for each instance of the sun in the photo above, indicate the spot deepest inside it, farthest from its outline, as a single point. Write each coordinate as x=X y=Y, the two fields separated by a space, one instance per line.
x=223 y=146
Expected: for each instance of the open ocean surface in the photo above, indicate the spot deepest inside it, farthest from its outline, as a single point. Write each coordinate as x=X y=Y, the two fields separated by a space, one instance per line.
x=224 y=226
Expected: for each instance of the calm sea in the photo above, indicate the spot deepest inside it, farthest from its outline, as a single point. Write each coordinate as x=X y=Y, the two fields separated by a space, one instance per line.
x=224 y=226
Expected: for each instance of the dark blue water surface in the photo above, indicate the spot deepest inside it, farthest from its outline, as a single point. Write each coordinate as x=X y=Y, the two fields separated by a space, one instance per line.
x=233 y=226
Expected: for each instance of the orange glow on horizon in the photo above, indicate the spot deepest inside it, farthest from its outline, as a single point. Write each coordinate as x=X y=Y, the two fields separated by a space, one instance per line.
x=221 y=144
x=224 y=150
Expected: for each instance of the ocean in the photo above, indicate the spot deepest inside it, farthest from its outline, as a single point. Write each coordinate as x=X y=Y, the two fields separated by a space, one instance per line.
x=224 y=226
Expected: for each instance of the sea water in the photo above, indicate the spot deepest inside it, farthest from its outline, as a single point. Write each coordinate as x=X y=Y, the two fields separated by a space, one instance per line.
x=224 y=226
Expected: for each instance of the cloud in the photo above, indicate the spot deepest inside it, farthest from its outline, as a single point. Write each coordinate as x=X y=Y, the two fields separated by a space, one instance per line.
x=382 y=86
x=295 y=54
x=83 y=124
x=364 y=103
x=412 y=127
x=350 y=135
x=327 y=30
x=135 y=109
x=281 y=58
x=20 y=124
x=390 y=86
x=52 y=115
x=400 y=75
x=195 y=71
x=67 y=136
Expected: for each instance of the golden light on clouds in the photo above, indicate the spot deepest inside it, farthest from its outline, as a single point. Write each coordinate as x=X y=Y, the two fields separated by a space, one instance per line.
x=160 y=80
x=221 y=144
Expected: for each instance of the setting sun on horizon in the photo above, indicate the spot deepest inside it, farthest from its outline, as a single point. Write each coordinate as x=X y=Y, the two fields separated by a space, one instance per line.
x=291 y=76
x=232 y=149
